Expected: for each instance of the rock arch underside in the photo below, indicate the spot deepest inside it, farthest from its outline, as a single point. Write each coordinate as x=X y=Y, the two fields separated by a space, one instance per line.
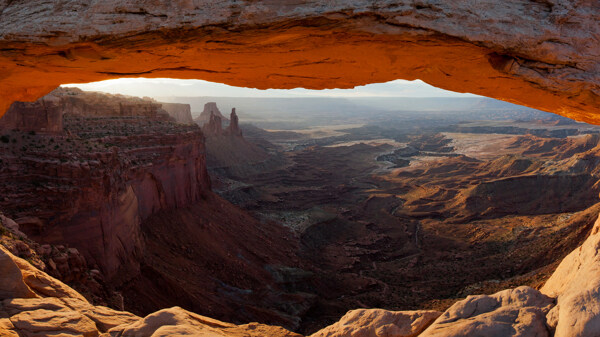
x=543 y=54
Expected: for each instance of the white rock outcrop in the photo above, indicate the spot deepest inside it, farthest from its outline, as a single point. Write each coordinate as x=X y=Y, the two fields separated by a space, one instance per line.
x=576 y=285
x=512 y=312
x=380 y=323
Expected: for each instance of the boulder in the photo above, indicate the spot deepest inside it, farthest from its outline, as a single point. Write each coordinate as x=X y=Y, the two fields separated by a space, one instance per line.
x=12 y=281
x=54 y=309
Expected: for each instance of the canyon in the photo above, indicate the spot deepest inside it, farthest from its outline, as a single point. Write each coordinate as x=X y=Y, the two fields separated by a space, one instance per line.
x=401 y=205
x=123 y=190
x=116 y=208
x=398 y=207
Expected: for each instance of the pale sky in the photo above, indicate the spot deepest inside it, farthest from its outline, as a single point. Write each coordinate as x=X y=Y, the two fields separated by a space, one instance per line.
x=164 y=87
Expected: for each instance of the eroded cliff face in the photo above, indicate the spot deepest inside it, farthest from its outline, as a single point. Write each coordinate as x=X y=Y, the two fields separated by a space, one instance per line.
x=205 y=116
x=93 y=185
x=542 y=54
x=182 y=113
x=43 y=115
x=124 y=190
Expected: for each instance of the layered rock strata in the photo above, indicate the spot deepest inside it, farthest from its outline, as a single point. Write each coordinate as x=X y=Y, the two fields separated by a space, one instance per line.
x=127 y=200
x=92 y=186
x=226 y=148
x=43 y=115
x=76 y=102
x=214 y=126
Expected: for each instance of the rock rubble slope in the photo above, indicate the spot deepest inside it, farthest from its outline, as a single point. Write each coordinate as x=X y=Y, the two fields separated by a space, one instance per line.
x=543 y=54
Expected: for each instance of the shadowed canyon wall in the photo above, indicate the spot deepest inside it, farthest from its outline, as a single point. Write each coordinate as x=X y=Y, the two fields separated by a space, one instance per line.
x=108 y=164
x=542 y=54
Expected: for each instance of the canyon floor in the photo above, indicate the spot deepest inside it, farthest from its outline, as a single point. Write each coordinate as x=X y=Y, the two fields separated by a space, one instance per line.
x=403 y=213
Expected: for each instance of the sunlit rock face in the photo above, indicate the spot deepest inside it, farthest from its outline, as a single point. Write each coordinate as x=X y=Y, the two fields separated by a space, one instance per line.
x=544 y=54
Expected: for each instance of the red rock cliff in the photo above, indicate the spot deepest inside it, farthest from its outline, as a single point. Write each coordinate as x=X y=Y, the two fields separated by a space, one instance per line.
x=182 y=113
x=210 y=108
x=92 y=187
x=82 y=103
x=44 y=115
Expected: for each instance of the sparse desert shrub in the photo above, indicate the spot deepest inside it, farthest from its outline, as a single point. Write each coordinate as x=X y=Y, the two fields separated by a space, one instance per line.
x=32 y=133
x=5 y=139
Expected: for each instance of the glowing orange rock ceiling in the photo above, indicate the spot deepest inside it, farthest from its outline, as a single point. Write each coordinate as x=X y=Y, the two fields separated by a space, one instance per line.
x=540 y=53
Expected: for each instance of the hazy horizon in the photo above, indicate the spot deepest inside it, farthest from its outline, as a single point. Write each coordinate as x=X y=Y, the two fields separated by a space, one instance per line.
x=164 y=87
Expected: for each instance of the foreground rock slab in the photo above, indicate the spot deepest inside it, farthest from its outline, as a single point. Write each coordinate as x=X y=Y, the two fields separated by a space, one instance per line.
x=380 y=323
x=513 y=312
x=177 y=322
x=537 y=53
x=34 y=304
x=576 y=284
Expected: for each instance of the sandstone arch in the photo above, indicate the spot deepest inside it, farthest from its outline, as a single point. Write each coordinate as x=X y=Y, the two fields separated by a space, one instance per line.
x=540 y=53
